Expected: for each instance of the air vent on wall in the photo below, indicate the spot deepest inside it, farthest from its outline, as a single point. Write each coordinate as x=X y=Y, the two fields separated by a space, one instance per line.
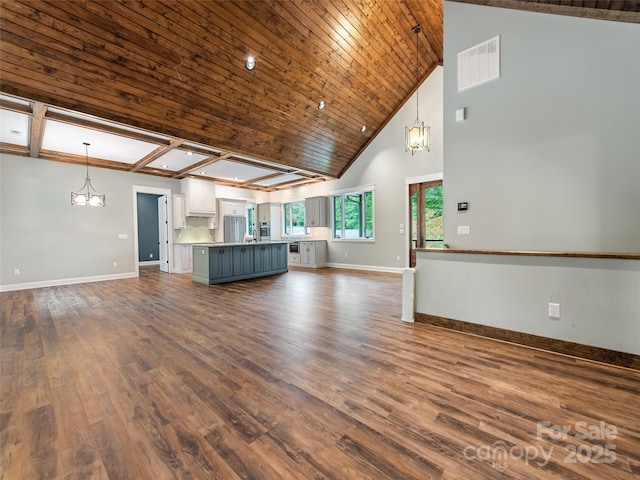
x=479 y=64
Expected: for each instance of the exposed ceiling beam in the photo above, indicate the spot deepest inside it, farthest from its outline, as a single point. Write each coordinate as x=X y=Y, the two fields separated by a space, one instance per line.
x=264 y=177
x=15 y=107
x=36 y=133
x=561 y=9
x=14 y=149
x=203 y=163
x=82 y=160
x=157 y=153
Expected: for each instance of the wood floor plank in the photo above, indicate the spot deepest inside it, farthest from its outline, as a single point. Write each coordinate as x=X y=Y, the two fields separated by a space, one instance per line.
x=305 y=375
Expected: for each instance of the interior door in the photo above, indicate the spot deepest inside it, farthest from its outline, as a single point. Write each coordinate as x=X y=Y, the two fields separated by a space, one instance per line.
x=163 y=233
x=426 y=225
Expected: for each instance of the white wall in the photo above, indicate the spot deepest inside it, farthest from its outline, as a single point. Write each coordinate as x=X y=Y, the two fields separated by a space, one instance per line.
x=548 y=160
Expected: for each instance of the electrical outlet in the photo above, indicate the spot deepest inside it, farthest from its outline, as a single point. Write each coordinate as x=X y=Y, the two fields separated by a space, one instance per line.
x=397 y=258
x=115 y=264
x=554 y=310
x=346 y=255
x=151 y=255
x=16 y=271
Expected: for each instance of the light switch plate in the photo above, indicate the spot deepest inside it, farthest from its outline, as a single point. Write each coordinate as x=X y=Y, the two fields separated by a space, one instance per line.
x=463 y=230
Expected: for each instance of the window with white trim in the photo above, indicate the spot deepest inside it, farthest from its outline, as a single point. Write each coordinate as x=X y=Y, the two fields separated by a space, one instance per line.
x=293 y=218
x=352 y=215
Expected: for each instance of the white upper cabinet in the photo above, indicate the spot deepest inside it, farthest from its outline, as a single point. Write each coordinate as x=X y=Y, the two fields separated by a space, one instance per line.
x=264 y=212
x=178 y=217
x=315 y=212
x=200 y=197
x=233 y=207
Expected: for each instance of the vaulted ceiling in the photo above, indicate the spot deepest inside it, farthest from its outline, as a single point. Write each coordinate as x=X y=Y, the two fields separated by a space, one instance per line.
x=170 y=75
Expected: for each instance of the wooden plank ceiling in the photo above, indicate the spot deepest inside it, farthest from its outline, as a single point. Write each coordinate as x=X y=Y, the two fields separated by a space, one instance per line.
x=176 y=68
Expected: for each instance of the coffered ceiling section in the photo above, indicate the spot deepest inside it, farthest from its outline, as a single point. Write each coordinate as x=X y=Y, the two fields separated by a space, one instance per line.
x=177 y=68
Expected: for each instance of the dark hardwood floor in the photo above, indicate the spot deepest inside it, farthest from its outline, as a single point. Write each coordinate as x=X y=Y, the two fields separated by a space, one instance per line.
x=310 y=374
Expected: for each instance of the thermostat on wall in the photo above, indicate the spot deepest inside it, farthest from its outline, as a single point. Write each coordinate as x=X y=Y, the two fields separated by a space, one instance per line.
x=463 y=206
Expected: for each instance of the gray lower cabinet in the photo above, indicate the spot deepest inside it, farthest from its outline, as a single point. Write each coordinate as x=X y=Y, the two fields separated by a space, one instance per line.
x=227 y=263
x=279 y=253
x=243 y=260
x=262 y=258
x=221 y=263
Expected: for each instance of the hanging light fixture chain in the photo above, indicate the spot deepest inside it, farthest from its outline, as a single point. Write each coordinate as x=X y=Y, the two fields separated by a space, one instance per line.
x=417 y=29
x=88 y=196
x=417 y=136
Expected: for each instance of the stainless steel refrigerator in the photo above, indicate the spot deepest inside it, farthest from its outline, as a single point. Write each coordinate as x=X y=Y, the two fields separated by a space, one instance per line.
x=235 y=227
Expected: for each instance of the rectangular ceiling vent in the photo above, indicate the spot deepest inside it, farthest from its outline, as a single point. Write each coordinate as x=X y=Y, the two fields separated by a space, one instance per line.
x=479 y=64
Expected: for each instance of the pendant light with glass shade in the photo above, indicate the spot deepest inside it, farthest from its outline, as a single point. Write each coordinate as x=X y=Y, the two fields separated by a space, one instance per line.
x=417 y=136
x=88 y=196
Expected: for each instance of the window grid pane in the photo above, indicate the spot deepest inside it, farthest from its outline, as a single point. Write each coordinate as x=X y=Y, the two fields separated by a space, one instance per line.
x=337 y=217
x=433 y=225
x=293 y=218
x=368 y=214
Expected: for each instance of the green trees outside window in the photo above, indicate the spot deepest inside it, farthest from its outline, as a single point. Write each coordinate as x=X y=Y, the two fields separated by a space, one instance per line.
x=293 y=214
x=353 y=215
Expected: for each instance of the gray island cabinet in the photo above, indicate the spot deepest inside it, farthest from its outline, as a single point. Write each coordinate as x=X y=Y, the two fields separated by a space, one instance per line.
x=228 y=262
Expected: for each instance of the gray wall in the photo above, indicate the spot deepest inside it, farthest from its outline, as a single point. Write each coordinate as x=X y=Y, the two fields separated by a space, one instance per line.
x=386 y=165
x=548 y=158
x=51 y=241
x=148 y=233
x=599 y=298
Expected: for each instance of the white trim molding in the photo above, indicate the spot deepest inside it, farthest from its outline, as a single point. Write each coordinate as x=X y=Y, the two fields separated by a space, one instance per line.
x=66 y=281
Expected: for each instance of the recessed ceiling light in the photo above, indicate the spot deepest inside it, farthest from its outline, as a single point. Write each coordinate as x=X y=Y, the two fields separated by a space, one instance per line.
x=165 y=166
x=203 y=173
x=322 y=104
x=363 y=128
x=189 y=153
x=250 y=63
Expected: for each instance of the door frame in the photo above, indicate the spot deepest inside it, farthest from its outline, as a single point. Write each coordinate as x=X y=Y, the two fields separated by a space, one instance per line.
x=157 y=191
x=433 y=177
x=163 y=232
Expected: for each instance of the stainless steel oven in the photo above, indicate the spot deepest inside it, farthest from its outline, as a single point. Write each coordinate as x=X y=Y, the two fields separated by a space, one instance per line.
x=294 y=247
x=265 y=231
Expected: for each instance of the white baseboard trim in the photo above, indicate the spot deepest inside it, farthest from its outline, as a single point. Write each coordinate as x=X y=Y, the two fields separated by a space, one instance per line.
x=368 y=268
x=150 y=262
x=65 y=281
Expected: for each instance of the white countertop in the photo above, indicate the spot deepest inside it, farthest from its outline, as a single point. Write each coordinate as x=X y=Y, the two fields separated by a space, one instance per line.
x=237 y=244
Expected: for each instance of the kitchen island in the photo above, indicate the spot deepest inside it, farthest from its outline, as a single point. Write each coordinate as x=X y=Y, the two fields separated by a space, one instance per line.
x=228 y=262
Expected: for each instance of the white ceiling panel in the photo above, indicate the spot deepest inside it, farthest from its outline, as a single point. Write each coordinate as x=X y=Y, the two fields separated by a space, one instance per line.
x=176 y=160
x=66 y=138
x=233 y=171
x=14 y=128
x=289 y=177
x=106 y=123
x=111 y=146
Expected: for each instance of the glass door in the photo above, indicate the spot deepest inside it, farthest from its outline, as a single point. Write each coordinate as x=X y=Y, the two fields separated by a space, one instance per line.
x=426 y=226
